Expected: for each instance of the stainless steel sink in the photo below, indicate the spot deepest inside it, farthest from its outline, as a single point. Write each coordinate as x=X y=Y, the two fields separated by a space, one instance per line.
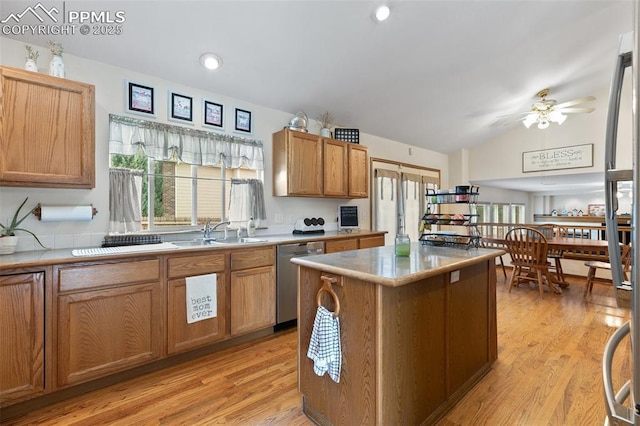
x=192 y=243
x=244 y=240
x=227 y=241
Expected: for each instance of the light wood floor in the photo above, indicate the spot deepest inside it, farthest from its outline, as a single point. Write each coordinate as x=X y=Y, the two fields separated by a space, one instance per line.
x=548 y=372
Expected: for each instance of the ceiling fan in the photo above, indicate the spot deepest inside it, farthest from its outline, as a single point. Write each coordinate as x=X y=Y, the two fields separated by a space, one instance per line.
x=546 y=111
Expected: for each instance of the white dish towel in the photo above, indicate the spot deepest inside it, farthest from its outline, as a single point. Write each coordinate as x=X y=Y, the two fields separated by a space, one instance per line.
x=201 y=297
x=324 y=348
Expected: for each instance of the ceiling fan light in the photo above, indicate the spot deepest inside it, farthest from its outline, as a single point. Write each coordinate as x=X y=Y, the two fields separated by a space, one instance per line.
x=543 y=124
x=529 y=120
x=557 y=117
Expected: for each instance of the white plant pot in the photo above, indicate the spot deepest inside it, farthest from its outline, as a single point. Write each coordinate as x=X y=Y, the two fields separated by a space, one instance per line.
x=31 y=65
x=56 y=66
x=8 y=244
x=325 y=133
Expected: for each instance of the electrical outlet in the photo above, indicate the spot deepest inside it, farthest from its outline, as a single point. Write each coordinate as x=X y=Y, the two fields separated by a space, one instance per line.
x=454 y=277
x=278 y=218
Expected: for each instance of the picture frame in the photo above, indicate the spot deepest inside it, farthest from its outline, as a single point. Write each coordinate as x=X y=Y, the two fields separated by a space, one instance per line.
x=140 y=98
x=180 y=107
x=243 y=121
x=212 y=114
x=596 y=209
x=567 y=157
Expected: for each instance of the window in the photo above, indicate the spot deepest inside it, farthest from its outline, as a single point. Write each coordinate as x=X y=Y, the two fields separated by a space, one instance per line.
x=183 y=194
x=500 y=212
x=399 y=201
x=517 y=213
x=165 y=176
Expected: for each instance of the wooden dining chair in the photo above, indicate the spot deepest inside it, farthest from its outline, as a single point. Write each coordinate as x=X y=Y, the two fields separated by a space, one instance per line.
x=528 y=250
x=496 y=246
x=556 y=255
x=594 y=265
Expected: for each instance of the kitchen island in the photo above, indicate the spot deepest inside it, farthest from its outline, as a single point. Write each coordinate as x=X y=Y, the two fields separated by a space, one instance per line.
x=416 y=332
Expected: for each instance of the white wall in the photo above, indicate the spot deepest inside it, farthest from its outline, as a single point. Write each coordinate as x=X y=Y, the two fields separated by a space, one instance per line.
x=502 y=157
x=110 y=98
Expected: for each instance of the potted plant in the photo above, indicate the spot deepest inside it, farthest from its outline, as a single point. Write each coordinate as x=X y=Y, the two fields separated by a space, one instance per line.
x=325 y=121
x=8 y=240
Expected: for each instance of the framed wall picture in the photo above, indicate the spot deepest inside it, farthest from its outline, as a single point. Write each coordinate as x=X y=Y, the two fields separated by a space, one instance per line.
x=180 y=107
x=213 y=114
x=140 y=99
x=596 y=209
x=567 y=157
x=243 y=121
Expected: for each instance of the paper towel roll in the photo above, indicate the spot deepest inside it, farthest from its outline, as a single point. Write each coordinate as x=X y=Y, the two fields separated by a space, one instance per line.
x=65 y=213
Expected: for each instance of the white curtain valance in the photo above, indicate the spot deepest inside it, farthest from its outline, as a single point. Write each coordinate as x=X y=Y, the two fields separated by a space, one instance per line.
x=192 y=146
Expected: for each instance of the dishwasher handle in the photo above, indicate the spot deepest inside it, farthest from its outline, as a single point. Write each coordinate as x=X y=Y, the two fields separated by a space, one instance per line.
x=307 y=252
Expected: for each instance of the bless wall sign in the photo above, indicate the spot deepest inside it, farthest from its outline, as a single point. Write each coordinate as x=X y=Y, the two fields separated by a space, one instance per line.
x=568 y=157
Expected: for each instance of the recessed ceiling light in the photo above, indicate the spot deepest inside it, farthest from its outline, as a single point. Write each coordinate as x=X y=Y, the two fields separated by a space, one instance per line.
x=382 y=13
x=210 y=61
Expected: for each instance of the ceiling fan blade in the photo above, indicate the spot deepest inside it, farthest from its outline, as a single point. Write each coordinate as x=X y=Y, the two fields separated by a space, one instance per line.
x=576 y=110
x=514 y=115
x=575 y=102
x=507 y=120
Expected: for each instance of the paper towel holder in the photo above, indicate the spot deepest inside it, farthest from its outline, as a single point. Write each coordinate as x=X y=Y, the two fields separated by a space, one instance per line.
x=38 y=211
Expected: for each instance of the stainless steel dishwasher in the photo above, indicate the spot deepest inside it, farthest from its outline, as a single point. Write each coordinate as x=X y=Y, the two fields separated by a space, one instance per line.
x=287 y=279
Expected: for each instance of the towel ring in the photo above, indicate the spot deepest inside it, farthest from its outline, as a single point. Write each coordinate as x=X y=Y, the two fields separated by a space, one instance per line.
x=326 y=286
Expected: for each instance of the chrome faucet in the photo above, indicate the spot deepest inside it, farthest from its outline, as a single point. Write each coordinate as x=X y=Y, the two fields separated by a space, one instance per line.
x=208 y=229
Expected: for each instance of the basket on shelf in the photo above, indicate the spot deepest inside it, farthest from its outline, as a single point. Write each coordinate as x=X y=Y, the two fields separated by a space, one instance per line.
x=451 y=240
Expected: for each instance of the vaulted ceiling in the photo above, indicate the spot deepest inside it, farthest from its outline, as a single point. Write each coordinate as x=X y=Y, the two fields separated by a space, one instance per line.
x=436 y=74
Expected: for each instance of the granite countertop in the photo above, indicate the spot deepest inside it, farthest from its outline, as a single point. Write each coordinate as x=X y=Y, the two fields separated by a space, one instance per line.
x=36 y=258
x=380 y=265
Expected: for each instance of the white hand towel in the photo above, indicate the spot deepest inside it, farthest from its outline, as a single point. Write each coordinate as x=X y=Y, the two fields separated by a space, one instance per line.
x=201 y=297
x=324 y=348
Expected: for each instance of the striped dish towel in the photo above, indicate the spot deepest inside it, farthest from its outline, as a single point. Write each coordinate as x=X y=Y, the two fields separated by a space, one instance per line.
x=324 y=348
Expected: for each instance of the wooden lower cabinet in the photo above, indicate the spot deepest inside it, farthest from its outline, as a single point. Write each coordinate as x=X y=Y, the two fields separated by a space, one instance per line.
x=253 y=299
x=103 y=330
x=469 y=324
x=354 y=243
x=409 y=353
x=22 y=336
x=181 y=335
x=253 y=289
x=368 y=242
x=334 y=246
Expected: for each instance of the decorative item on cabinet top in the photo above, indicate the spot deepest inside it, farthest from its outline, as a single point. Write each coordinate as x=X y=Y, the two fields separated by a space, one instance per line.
x=347 y=135
x=299 y=122
x=56 y=66
x=325 y=122
x=32 y=57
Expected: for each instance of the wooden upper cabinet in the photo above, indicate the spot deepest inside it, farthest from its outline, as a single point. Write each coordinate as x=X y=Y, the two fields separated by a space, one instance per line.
x=311 y=166
x=358 y=171
x=47 y=137
x=335 y=168
x=297 y=164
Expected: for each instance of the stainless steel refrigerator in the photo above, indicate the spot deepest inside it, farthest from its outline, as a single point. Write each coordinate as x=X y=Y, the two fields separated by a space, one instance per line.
x=623 y=405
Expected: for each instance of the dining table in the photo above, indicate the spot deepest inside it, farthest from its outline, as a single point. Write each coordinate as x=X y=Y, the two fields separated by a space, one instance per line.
x=571 y=248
